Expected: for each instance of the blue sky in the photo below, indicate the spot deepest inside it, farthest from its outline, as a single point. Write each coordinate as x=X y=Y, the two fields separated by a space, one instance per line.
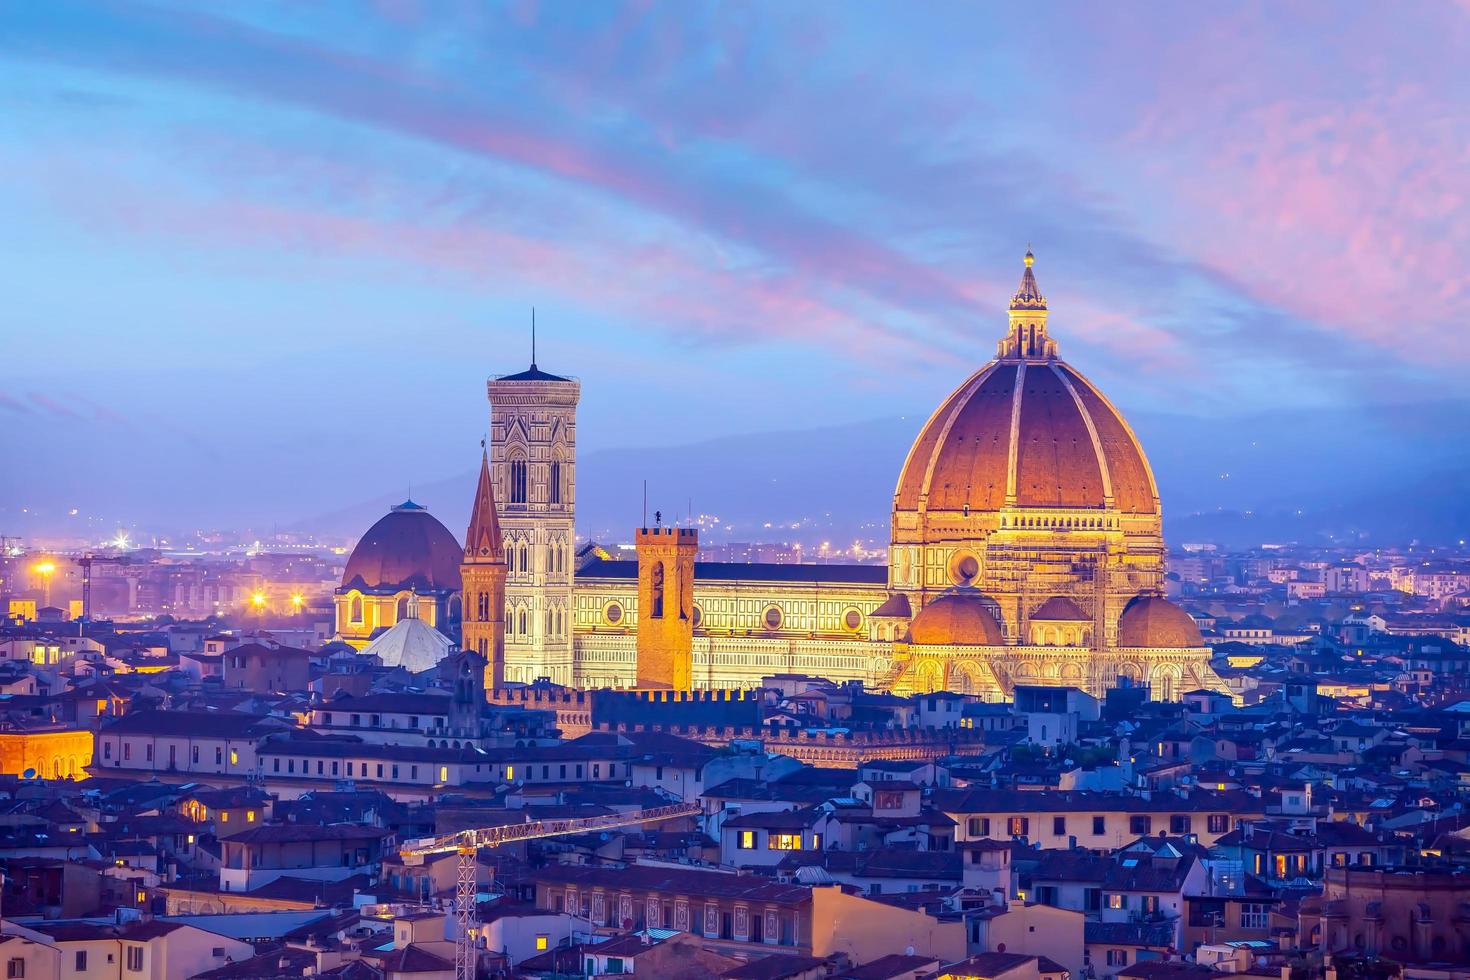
x=287 y=242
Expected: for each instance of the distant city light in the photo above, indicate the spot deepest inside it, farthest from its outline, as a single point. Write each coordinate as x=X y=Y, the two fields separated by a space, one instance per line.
x=257 y=599
x=120 y=541
x=46 y=567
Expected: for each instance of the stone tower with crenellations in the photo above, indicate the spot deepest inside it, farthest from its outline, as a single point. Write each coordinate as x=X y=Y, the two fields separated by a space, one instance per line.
x=665 y=639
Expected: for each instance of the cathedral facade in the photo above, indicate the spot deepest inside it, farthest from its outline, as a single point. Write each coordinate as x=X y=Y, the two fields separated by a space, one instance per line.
x=1026 y=548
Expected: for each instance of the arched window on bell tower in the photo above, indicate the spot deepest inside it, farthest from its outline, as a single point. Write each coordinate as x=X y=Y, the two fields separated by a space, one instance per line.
x=518 y=481
x=554 y=486
x=658 y=591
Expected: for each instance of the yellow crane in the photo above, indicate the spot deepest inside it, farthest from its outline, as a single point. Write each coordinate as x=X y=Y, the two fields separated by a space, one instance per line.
x=467 y=844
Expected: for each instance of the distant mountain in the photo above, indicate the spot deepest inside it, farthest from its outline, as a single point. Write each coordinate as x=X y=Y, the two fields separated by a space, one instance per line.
x=1373 y=475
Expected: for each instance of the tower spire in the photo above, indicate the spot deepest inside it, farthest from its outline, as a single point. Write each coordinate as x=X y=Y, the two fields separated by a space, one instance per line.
x=1028 y=296
x=533 y=338
x=483 y=541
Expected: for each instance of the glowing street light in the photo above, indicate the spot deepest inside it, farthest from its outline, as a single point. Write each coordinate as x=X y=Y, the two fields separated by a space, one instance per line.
x=297 y=599
x=120 y=541
x=257 y=599
x=45 y=568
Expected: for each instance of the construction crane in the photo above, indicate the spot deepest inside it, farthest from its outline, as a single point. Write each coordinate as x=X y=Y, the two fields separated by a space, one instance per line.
x=85 y=561
x=467 y=844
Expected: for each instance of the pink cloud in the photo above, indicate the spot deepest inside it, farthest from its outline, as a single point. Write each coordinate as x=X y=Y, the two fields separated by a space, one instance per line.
x=1333 y=187
x=53 y=406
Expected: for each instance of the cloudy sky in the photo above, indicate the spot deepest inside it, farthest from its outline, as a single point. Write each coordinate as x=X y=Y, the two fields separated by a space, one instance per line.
x=258 y=257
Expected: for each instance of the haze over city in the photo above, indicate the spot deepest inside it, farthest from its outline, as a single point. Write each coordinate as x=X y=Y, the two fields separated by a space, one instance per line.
x=263 y=258
x=760 y=490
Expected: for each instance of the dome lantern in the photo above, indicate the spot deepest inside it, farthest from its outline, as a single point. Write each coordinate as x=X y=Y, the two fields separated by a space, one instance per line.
x=1027 y=336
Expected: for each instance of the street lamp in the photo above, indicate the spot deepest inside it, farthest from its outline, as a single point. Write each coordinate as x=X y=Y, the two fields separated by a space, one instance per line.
x=257 y=600
x=45 y=568
x=297 y=600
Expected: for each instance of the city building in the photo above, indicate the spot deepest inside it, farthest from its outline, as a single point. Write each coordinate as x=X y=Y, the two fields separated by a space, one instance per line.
x=1026 y=549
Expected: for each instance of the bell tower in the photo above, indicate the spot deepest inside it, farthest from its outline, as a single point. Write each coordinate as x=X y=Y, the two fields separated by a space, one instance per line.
x=482 y=581
x=533 y=467
x=666 y=607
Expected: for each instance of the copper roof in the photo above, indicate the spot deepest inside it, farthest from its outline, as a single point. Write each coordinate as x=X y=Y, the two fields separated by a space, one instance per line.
x=955 y=620
x=406 y=549
x=1070 y=447
x=482 y=542
x=1153 y=621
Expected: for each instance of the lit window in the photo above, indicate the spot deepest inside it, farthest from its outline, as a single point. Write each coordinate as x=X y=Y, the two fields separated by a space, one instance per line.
x=443 y=774
x=224 y=816
x=784 y=842
x=510 y=772
x=234 y=757
x=250 y=816
x=747 y=840
x=542 y=942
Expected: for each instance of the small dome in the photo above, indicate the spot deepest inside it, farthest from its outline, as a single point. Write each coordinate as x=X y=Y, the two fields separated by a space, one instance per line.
x=1060 y=609
x=1153 y=621
x=407 y=549
x=955 y=620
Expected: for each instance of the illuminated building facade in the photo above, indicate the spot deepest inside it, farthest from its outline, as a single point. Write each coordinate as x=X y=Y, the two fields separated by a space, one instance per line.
x=1026 y=548
x=46 y=753
x=533 y=460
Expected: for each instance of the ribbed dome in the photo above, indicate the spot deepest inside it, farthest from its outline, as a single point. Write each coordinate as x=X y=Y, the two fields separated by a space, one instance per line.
x=1026 y=430
x=955 y=620
x=407 y=549
x=1059 y=609
x=1153 y=621
x=1056 y=443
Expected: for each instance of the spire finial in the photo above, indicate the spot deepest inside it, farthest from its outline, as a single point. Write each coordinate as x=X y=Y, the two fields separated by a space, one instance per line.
x=533 y=338
x=1028 y=295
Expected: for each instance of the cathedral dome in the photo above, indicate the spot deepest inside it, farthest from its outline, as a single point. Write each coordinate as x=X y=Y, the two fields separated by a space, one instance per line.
x=1026 y=430
x=1153 y=621
x=406 y=549
x=955 y=620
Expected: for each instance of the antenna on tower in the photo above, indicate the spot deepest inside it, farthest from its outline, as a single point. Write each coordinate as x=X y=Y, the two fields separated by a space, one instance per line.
x=533 y=338
x=645 y=503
